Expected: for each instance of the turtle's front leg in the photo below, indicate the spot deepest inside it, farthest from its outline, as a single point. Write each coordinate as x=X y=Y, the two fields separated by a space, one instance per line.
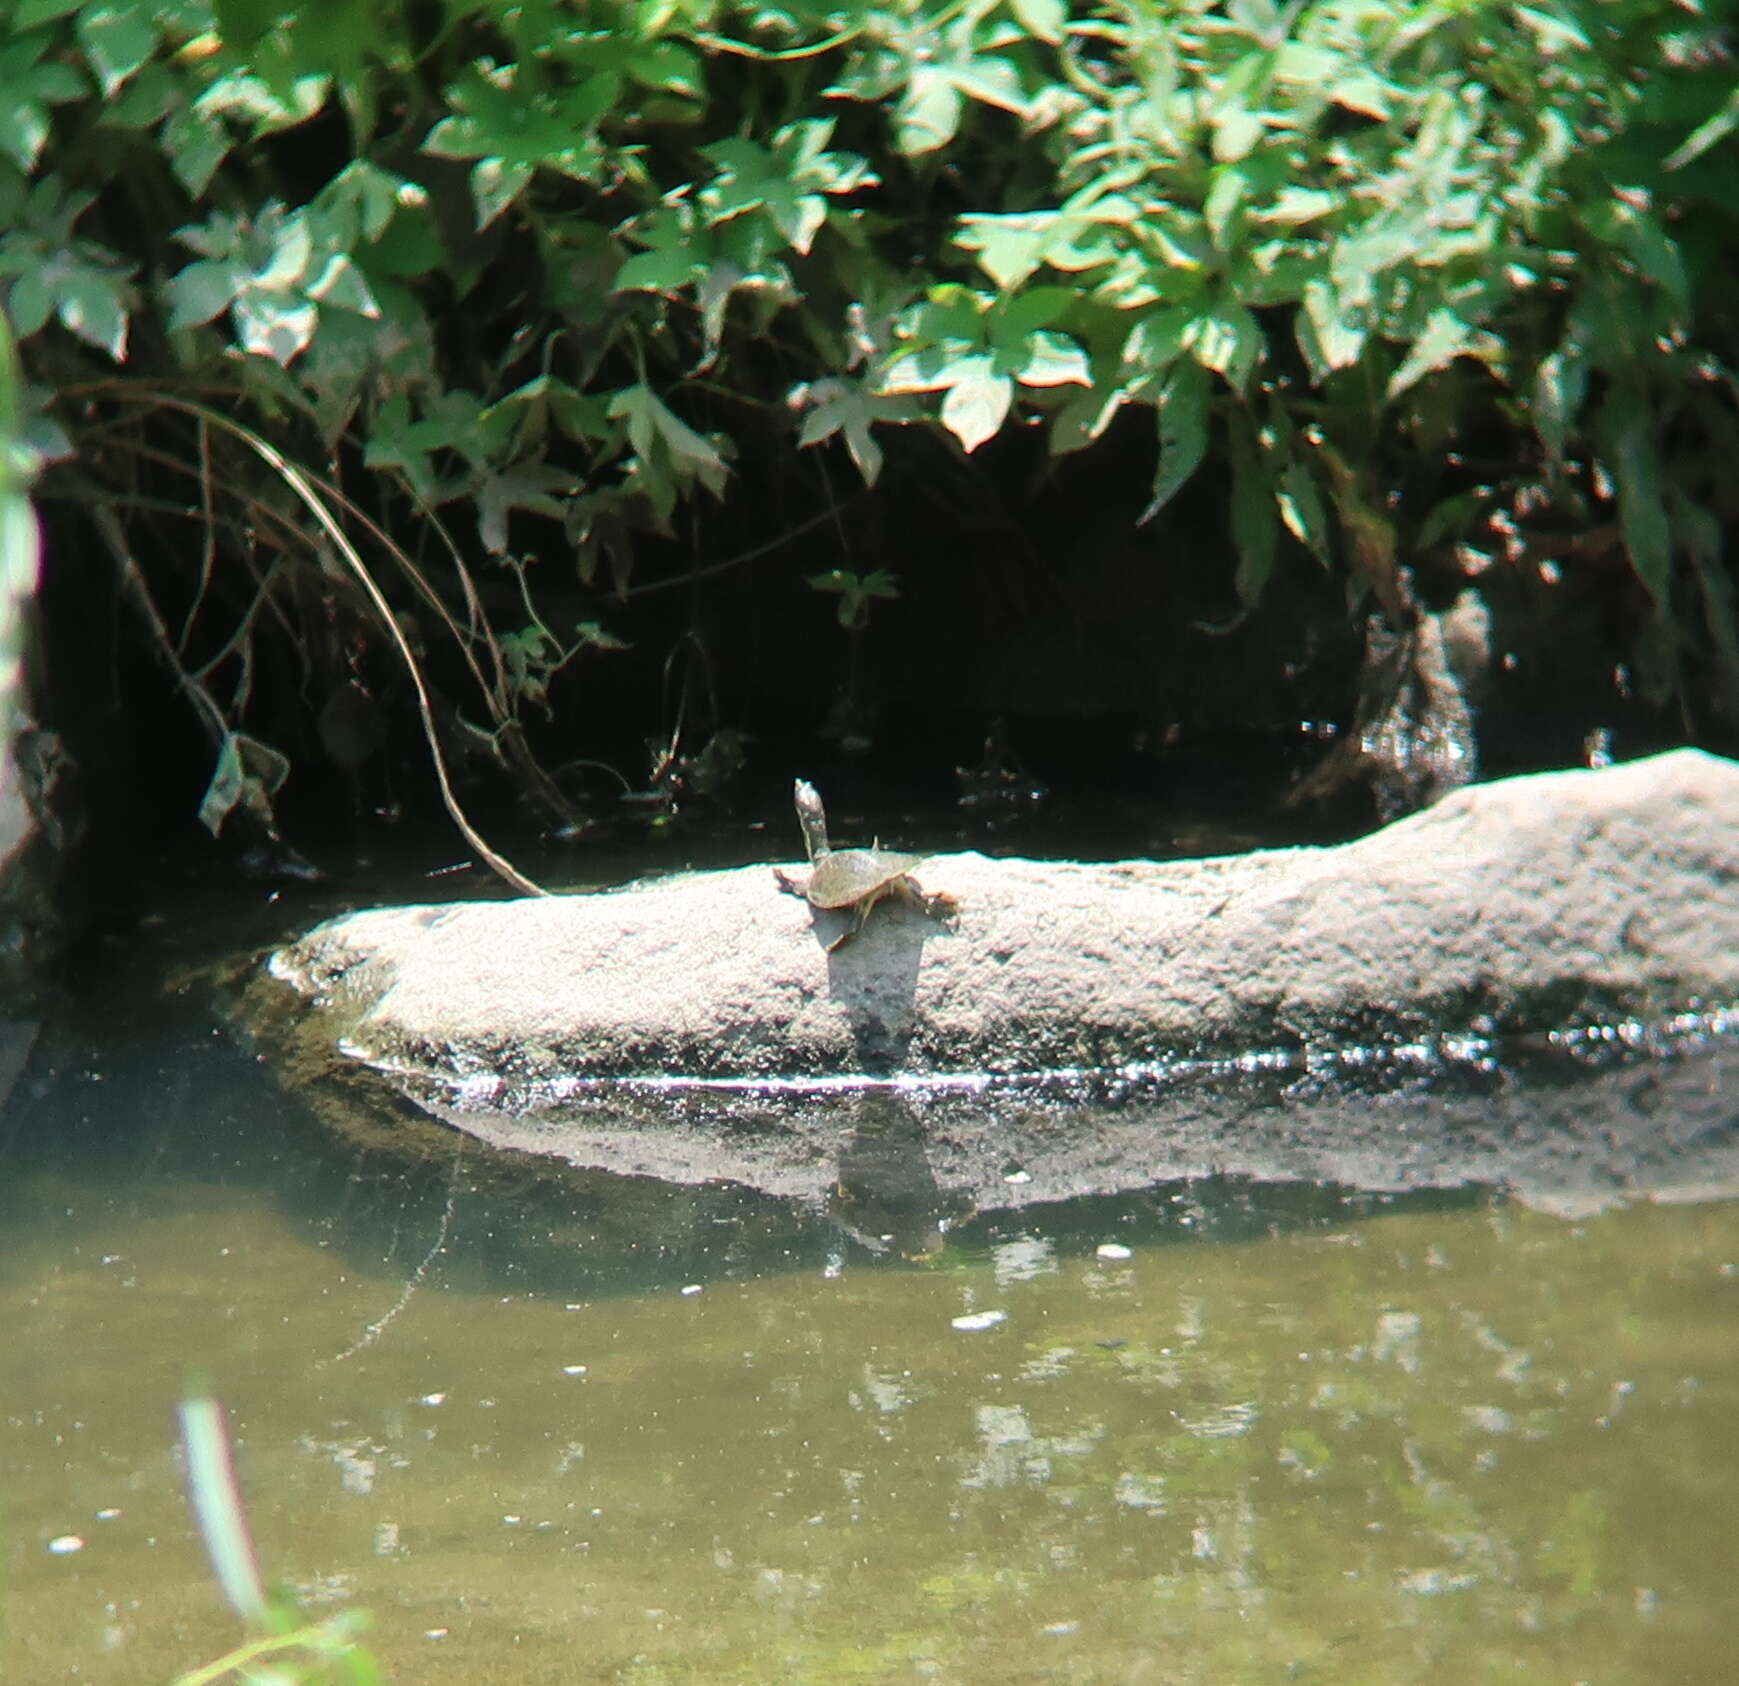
x=858 y=915
x=789 y=884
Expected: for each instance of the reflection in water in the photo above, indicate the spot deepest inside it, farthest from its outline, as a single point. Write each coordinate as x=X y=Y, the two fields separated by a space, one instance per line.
x=886 y=1196
x=557 y=1430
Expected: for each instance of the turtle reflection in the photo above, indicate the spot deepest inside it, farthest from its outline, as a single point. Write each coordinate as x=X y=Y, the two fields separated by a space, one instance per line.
x=886 y=1195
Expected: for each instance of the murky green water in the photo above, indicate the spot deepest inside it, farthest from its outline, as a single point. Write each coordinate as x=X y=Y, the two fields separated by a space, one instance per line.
x=1288 y=1437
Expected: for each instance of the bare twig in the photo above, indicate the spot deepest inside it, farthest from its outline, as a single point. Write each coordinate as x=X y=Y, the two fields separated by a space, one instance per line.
x=724 y=567
x=319 y=508
x=208 y=544
x=212 y=716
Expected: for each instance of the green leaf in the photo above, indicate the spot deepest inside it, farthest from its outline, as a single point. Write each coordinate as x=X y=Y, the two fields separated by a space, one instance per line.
x=248 y=774
x=668 y=67
x=788 y=182
x=1301 y=507
x=266 y=106
x=976 y=402
x=1012 y=319
x=1009 y=248
x=274 y=324
x=1047 y=19
x=150 y=96
x=1707 y=134
x=1053 y=360
x=1445 y=338
x=495 y=184
x=1310 y=66
x=116 y=41
x=1265 y=275
x=43 y=437
x=92 y=303
x=1087 y=233
x=1226 y=195
x=455 y=137
x=411 y=246
x=27 y=14
x=534 y=486
x=29 y=304
x=1451 y=517
x=1658 y=256
x=712 y=293
x=1229 y=341
x=287 y=244
x=652 y=425
x=1328 y=334
x=856 y=591
x=57 y=273
x=1183 y=433
x=360 y=202
x=1180 y=241
x=1559 y=386
x=1365 y=92
x=953 y=312
x=28 y=88
x=1627 y=430
x=1236 y=135
x=545 y=400
x=835 y=406
x=395 y=441
x=1255 y=529
x=351 y=356
x=1157 y=341
x=1085 y=417
x=667 y=271
x=992 y=81
x=923 y=368
x=196 y=146
x=1555 y=32
x=1292 y=206
x=1369 y=251
x=928 y=114
x=340 y=283
x=678 y=252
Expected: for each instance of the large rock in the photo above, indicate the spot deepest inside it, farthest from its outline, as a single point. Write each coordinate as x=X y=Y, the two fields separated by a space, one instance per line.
x=1510 y=907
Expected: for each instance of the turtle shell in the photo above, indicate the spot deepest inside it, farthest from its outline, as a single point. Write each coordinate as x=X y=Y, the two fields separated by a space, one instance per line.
x=843 y=877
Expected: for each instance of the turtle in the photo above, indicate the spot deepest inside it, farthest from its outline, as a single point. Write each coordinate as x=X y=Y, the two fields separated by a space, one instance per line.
x=853 y=880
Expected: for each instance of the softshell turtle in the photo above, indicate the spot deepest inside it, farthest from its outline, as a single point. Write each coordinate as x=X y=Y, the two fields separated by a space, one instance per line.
x=852 y=880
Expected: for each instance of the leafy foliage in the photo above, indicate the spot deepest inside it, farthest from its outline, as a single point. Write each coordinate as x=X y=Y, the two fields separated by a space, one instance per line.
x=1378 y=233
x=20 y=542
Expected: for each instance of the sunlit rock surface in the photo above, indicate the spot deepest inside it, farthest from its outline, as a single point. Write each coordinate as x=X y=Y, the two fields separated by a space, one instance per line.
x=1510 y=907
x=1359 y=1015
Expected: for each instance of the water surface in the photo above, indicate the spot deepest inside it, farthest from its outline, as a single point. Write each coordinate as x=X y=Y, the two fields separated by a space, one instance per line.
x=1294 y=1434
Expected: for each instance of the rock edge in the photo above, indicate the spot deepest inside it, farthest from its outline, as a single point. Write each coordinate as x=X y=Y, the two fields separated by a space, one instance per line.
x=1520 y=905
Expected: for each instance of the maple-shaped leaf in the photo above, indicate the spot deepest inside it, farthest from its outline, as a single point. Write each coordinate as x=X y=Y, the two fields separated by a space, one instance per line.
x=533 y=485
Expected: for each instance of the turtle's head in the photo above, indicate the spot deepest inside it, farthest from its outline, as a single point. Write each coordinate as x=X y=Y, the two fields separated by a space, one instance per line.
x=812 y=817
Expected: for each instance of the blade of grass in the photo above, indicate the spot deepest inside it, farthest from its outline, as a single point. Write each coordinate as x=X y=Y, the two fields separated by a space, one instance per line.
x=217 y=1506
